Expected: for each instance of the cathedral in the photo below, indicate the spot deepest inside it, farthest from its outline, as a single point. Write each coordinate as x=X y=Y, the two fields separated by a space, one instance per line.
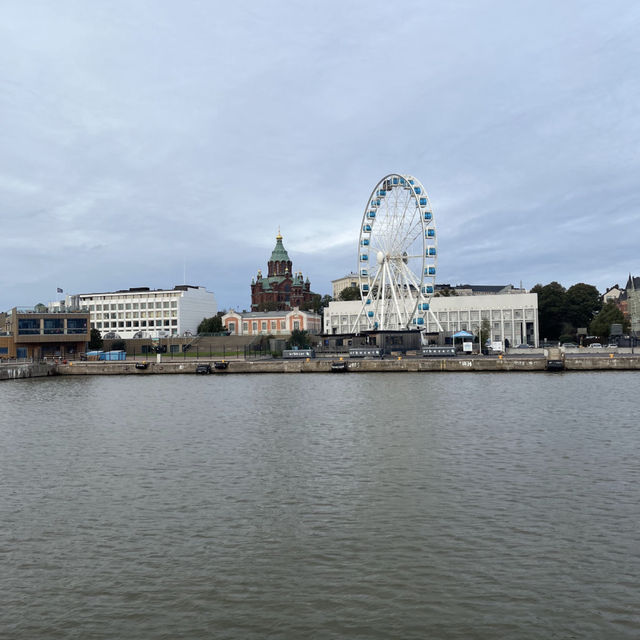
x=281 y=289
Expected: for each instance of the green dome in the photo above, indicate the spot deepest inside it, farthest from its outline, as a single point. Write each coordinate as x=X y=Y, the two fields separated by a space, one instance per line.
x=279 y=253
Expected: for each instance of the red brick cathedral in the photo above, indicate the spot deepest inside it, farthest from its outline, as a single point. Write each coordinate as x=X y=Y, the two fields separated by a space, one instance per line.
x=281 y=289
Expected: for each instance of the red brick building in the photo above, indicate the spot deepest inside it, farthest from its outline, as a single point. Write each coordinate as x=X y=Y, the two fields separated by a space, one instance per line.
x=281 y=289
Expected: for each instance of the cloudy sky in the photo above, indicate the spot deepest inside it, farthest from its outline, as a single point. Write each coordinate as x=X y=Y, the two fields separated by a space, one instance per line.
x=142 y=140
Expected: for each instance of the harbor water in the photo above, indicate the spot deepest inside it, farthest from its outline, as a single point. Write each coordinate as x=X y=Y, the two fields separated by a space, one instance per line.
x=369 y=506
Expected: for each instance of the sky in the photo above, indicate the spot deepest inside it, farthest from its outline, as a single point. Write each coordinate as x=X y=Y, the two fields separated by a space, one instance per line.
x=156 y=143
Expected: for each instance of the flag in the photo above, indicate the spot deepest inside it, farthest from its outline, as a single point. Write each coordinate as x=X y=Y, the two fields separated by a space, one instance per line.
x=59 y=290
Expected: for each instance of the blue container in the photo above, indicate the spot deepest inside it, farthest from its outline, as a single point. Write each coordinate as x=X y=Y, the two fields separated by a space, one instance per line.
x=371 y=214
x=366 y=228
x=418 y=190
x=364 y=273
x=427 y=215
x=370 y=314
x=364 y=257
x=423 y=202
x=431 y=233
x=432 y=251
x=114 y=355
x=432 y=271
x=365 y=242
x=365 y=288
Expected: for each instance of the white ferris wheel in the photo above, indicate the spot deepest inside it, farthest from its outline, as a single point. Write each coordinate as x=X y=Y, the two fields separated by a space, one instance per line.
x=397 y=255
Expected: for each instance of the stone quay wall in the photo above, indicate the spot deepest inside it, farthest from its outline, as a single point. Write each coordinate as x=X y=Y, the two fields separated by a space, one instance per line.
x=355 y=366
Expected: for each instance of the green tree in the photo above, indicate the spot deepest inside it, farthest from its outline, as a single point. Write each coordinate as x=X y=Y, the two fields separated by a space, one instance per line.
x=551 y=309
x=95 y=340
x=484 y=332
x=350 y=293
x=211 y=325
x=609 y=314
x=299 y=338
x=583 y=301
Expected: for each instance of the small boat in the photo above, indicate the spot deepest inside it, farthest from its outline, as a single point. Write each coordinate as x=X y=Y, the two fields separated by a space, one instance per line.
x=203 y=368
x=142 y=365
x=339 y=367
x=221 y=364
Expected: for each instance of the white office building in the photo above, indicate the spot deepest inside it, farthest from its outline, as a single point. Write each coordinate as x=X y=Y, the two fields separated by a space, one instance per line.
x=143 y=312
x=512 y=316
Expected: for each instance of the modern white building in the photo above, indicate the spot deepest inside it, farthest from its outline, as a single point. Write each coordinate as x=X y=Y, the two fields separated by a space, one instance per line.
x=512 y=316
x=144 y=312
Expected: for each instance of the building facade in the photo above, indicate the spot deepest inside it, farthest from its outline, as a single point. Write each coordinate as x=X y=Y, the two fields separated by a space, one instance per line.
x=142 y=312
x=339 y=285
x=281 y=289
x=41 y=332
x=273 y=323
x=512 y=316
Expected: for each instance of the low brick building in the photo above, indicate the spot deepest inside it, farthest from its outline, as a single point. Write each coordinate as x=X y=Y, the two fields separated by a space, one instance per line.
x=273 y=323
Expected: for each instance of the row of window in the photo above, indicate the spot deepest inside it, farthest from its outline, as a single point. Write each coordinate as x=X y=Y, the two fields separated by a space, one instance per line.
x=264 y=326
x=459 y=316
x=135 y=314
x=135 y=324
x=122 y=306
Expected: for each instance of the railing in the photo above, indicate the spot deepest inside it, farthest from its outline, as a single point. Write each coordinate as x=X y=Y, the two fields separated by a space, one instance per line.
x=56 y=310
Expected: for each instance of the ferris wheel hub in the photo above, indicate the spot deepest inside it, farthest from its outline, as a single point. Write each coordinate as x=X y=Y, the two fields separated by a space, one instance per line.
x=380 y=257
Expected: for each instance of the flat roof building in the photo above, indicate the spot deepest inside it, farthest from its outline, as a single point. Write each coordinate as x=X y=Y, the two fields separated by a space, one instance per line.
x=141 y=312
x=42 y=332
x=511 y=316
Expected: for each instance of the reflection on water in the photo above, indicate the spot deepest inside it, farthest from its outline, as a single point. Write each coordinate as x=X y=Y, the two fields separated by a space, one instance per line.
x=295 y=506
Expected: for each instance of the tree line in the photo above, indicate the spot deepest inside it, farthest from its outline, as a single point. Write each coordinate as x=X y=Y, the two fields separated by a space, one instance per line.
x=561 y=312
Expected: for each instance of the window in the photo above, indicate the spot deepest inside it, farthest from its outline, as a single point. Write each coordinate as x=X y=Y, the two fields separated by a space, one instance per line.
x=28 y=326
x=245 y=327
x=296 y=325
x=77 y=325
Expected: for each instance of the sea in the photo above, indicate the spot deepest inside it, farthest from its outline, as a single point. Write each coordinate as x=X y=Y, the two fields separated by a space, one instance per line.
x=323 y=506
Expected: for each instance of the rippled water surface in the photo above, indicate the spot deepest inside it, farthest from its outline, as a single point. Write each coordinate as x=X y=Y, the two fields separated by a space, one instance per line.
x=321 y=506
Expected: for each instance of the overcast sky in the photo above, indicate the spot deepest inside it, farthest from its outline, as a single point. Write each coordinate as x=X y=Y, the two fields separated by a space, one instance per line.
x=144 y=139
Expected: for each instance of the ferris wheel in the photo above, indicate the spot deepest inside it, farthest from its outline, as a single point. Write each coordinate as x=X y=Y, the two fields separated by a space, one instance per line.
x=397 y=255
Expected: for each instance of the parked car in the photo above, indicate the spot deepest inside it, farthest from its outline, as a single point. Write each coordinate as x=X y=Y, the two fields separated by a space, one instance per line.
x=569 y=345
x=612 y=345
x=595 y=345
x=524 y=345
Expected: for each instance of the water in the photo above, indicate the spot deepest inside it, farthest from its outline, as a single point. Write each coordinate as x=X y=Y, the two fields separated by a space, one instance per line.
x=321 y=506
